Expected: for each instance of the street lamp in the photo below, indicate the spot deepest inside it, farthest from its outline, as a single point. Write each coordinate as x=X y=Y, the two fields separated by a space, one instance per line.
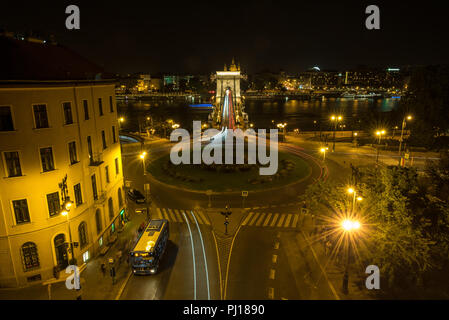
x=323 y=151
x=354 y=197
x=402 y=132
x=349 y=226
x=65 y=209
x=336 y=120
x=175 y=126
x=142 y=156
x=379 y=133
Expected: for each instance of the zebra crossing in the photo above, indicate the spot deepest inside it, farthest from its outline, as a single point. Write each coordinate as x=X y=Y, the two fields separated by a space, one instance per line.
x=176 y=215
x=271 y=220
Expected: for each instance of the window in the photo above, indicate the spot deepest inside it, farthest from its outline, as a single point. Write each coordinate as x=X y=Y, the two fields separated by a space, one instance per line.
x=82 y=232
x=89 y=148
x=78 y=195
x=120 y=198
x=114 y=137
x=111 y=208
x=67 y=107
x=106 y=170
x=40 y=116
x=94 y=187
x=29 y=256
x=116 y=166
x=103 y=138
x=110 y=104
x=47 y=159
x=86 y=110
x=13 y=164
x=100 y=106
x=72 y=152
x=6 y=123
x=98 y=221
x=21 y=211
x=86 y=256
x=53 y=203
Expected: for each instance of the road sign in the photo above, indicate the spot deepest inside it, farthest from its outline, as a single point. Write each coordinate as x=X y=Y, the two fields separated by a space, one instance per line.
x=244 y=193
x=128 y=183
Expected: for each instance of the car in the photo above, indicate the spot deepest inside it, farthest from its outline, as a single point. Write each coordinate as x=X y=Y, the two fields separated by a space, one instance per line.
x=136 y=196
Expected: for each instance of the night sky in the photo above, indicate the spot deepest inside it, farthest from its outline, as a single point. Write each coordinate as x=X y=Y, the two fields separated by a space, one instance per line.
x=200 y=36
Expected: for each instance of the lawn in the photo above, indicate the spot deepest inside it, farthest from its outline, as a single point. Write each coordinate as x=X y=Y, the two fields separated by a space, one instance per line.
x=228 y=181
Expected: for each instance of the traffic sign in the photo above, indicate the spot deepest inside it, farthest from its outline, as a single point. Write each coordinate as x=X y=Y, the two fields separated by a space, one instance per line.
x=244 y=193
x=128 y=183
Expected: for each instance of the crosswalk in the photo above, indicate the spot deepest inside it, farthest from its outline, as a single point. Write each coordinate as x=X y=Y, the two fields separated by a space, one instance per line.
x=176 y=215
x=271 y=220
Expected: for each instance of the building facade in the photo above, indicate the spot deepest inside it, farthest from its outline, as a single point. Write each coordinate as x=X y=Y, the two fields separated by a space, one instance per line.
x=49 y=130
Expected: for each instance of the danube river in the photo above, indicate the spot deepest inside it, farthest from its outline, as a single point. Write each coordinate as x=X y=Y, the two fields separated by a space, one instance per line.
x=301 y=114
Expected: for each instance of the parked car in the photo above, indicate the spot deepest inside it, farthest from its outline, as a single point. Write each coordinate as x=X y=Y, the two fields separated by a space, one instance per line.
x=136 y=196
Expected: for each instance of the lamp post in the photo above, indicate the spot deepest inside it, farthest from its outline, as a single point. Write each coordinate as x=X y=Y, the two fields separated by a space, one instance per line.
x=336 y=120
x=354 y=197
x=379 y=133
x=65 y=209
x=323 y=151
x=349 y=226
x=404 y=122
x=142 y=156
x=282 y=126
x=226 y=213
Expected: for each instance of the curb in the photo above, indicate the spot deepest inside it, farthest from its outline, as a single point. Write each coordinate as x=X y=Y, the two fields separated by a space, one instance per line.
x=122 y=288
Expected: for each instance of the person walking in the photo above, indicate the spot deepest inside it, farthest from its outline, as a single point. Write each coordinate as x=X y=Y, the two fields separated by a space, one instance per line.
x=103 y=269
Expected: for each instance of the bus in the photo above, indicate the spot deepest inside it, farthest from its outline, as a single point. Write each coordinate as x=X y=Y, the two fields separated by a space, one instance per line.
x=150 y=247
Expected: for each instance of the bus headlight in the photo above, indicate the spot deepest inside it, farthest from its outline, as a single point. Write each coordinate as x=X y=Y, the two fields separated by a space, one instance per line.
x=153 y=270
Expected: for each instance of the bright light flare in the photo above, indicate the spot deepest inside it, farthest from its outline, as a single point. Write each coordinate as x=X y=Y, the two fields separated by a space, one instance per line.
x=349 y=225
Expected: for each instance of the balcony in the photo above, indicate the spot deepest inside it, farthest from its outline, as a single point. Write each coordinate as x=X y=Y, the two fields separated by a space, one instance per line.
x=101 y=198
x=96 y=159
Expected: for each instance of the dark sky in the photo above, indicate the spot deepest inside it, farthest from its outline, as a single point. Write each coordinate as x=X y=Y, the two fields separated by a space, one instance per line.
x=200 y=36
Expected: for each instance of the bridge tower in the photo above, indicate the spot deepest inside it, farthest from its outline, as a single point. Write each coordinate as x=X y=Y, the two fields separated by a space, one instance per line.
x=228 y=100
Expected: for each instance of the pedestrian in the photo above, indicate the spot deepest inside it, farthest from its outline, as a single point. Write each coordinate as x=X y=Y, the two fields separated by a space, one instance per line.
x=103 y=269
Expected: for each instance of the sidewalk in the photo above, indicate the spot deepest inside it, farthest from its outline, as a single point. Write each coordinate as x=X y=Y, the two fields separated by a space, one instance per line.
x=94 y=285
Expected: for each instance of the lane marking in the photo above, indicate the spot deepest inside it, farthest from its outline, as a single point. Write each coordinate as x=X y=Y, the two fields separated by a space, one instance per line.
x=262 y=216
x=274 y=219
x=295 y=220
x=204 y=255
x=193 y=257
x=159 y=213
x=188 y=216
x=229 y=262
x=272 y=274
x=267 y=220
x=274 y=259
x=248 y=217
x=287 y=222
x=271 y=293
x=276 y=245
x=281 y=220
x=219 y=267
x=178 y=215
x=256 y=216
x=172 y=215
x=165 y=215
x=203 y=217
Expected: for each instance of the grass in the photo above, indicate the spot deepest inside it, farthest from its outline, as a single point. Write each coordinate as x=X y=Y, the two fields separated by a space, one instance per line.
x=233 y=181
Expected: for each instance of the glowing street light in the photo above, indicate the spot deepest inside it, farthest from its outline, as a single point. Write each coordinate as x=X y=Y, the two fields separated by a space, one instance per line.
x=379 y=133
x=349 y=226
x=175 y=126
x=323 y=151
x=335 y=119
x=142 y=156
x=409 y=117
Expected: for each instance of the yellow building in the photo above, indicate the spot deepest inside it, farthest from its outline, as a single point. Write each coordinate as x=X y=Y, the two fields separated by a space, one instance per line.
x=52 y=126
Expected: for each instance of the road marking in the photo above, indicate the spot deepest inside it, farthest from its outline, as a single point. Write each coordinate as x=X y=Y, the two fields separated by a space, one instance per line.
x=274 y=220
x=267 y=219
x=272 y=274
x=228 y=263
x=287 y=222
x=281 y=220
x=270 y=293
x=188 y=216
x=248 y=217
x=178 y=215
x=203 y=217
x=172 y=215
x=274 y=259
x=260 y=220
x=193 y=257
x=295 y=220
x=276 y=245
x=256 y=215
x=204 y=255
x=219 y=267
x=165 y=215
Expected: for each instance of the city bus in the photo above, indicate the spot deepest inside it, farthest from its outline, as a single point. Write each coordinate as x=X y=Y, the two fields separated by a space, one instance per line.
x=150 y=247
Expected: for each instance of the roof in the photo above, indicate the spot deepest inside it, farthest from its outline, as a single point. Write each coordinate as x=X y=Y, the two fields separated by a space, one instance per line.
x=150 y=236
x=26 y=60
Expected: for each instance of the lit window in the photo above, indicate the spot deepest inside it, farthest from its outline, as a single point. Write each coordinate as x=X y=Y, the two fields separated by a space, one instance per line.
x=86 y=256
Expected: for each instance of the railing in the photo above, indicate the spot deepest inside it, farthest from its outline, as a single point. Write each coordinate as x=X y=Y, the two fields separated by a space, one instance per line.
x=96 y=159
